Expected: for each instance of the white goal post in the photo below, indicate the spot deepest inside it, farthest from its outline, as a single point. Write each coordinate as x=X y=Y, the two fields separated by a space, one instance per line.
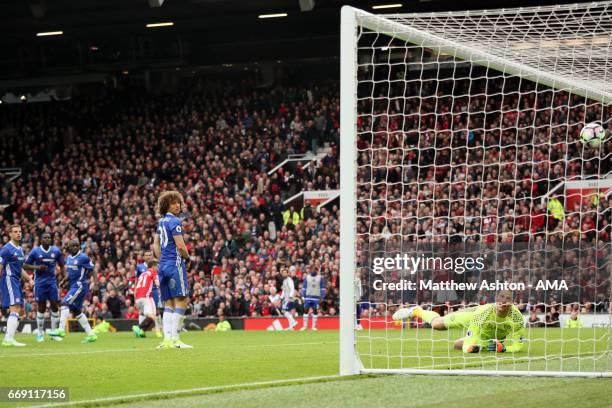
x=456 y=84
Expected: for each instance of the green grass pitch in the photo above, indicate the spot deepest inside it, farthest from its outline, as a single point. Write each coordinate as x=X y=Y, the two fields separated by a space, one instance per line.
x=232 y=369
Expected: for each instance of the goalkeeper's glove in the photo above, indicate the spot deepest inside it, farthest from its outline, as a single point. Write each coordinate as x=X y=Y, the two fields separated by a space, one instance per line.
x=473 y=348
x=496 y=346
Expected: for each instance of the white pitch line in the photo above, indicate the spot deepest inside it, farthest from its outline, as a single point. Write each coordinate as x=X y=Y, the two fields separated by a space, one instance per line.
x=13 y=355
x=70 y=353
x=236 y=387
x=313 y=343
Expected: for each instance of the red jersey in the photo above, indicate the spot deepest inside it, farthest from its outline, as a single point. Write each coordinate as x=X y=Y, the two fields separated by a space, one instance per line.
x=144 y=284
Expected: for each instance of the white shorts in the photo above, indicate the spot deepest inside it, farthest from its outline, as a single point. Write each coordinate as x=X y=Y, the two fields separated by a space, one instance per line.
x=146 y=306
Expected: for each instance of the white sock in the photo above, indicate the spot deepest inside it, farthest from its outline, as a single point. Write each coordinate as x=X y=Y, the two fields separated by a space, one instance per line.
x=40 y=323
x=290 y=318
x=314 y=321
x=305 y=319
x=177 y=320
x=55 y=319
x=158 y=322
x=140 y=319
x=84 y=324
x=64 y=312
x=11 y=326
x=167 y=323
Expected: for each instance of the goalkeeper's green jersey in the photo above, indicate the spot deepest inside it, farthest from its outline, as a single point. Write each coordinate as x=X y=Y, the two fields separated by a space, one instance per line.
x=485 y=325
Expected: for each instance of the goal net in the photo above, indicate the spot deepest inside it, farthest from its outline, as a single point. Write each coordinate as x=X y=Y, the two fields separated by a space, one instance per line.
x=471 y=209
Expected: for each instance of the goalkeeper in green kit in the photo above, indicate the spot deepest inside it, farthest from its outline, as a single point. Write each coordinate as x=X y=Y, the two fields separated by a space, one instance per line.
x=496 y=327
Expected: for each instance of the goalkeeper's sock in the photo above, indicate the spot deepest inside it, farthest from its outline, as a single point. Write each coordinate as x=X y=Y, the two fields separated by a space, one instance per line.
x=177 y=322
x=84 y=324
x=167 y=322
x=305 y=320
x=64 y=312
x=40 y=323
x=426 y=315
x=55 y=319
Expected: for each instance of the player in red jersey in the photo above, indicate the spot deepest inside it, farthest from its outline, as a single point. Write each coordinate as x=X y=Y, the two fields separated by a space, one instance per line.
x=144 y=299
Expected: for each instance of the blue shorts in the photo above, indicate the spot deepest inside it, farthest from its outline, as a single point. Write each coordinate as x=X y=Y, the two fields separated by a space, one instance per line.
x=173 y=281
x=11 y=291
x=46 y=291
x=75 y=297
x=156 y=298
x=314 y=304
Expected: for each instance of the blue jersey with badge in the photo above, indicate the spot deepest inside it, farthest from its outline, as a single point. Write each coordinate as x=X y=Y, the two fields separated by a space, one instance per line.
x=173 y=279
x=167 y=228
x=79 y=266
x=12 y=259
x=50 y=258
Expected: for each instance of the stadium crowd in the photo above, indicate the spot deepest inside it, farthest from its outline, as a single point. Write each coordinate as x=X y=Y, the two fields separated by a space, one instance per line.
x=456 y=166
x=94 y=167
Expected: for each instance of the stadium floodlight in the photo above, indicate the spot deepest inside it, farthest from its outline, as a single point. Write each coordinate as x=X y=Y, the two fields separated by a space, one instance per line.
x=461 y=135
x=163 y=24
x=49 y=33
x=275 y=15
x=386 y=6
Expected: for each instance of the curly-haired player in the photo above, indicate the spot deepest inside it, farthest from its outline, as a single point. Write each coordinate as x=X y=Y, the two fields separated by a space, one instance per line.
x=169 y=247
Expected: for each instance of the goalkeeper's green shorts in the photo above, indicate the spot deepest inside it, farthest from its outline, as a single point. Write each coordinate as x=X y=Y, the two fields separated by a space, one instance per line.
x=457 y=320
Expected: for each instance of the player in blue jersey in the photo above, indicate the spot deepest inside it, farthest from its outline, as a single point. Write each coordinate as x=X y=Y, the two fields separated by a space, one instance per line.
x=44 y=260
x=80 y=269
x=313 y=290
x=143 y=267
x=11 y=263
x=169 y=247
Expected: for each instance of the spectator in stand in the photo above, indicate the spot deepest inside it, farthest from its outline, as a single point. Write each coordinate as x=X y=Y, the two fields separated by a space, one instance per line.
x=534 y=320
x=114 y=304
x=103 y=313
x=552 y=317
x=207 y=309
